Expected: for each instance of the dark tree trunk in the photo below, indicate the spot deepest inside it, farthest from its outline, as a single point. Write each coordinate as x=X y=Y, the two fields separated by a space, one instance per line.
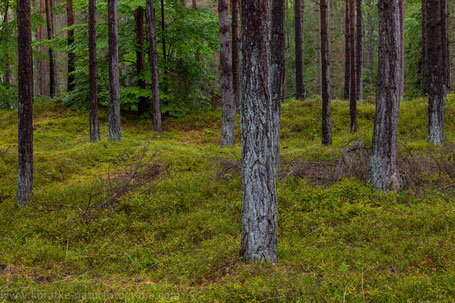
x=300 y=93
x=43 y=67
x=71 y=56
x=92 y=72
x=193 y=4
x=259 y=208
x=227 y=92
x=50 y=36
x=163 y=30
x=402 y=66
x=359 y=50
x=115 y=131
x=278 y=74
x=139 y=19
x=445 y=46
x=434 y=73
x=382 y=172
x=7 y=72
x=353 y=84
x=347 y=52
x=235 y=51
x=325 y=75
x=370 y=28
x=157 y=124
x=25 y=102
x=424 y=53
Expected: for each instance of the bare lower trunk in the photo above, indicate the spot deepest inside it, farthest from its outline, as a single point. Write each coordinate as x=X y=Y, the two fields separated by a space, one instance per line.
x=71 y=56
x=259 y=209
x=25 y=102
x=424 y=53
x=157 y=124
x=7 y=72
x=347 y=52
x=235 y=51
x=139 y=20
x=43 y=67
x=382 y=172
x=300 y=94
x=359 y=50
x=50 y=36
x=352 y=60
x=325 y=79
x=445 y=46
x=401 y=3
x=115 y=131
x=92 y=72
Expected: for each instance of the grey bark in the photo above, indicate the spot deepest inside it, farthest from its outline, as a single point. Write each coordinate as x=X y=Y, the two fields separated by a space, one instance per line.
x=227 y=91
x=325 y=75
x=382 y=172
x=259 y=209
x=115 y=131
x=157 y=123
x=92 y=72
x=25 y=102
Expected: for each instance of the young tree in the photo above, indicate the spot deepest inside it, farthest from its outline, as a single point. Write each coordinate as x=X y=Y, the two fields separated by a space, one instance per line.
x=50 y=36
x=382 y=172
x=347 y=51
x=325 y=72
x=115 y=131
x=92 y=72
x=278 y=74
x=140 y=58
x=434 y=73
x=298 y=49
x=259 y=209
x=359 y=50
x=353 y=77
x=157 y=124
x=235 y=51
x=25 y=102
x=70 y=18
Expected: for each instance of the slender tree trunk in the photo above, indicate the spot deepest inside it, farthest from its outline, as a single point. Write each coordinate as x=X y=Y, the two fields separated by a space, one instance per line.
x=347 y=52
x=115 y=130
x=235 y=51
x=300 y=94
x=382 y=172
x=325 y=79
x=402 y=66
x=92 y=72
x=163 y=30
x=353 y=82
x=193 y=4
x=278 y=74
x=359 y=50
x=434 y=73
x=43 y=67
x=451 y=41
x=259 y=208
x=445 y=46
x=71 y=56
x=424 y=53
x=227 y=92
x=370 y=28
x=50 y=36
x=157 y=124
x=7 y=72
x=139 y=19
x=25 y=101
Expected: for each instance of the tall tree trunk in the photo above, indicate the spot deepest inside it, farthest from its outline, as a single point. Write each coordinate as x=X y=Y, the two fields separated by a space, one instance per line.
x=7 y=72
x=382 y=172
x=451 y=41
x=434 y=73
x=227 y=92
x=70 y=18
x=163 y=30
x=370 y=29
x=300 y=94
x=325 y=72
x=235 y=51
x=424 y=53
x=359 y=50
x=50 y=36
x=157 y=124
x=115 y=130
x=445 y=46
x=259 y=208
x=347 y=51
x=193 y=4
x=139 y=20
x=25 y=101
x=92 y=72
x=43 y=84
x=402 y=66
x=353 y=84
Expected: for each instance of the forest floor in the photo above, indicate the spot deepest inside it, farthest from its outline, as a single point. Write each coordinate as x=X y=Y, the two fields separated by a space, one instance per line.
x=171 y=231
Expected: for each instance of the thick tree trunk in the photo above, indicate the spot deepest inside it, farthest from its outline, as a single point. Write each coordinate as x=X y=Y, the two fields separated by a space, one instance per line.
x=278 y=74
x=445 y=46
x=235 y=51
x=43 y=67
x=25 y=102
x=325 y=79
x=402 y=66
x=370 y=29
x=115 y=130
x=71 y=56
x=227 y=92
x=139 y=20
x=157 y=124
x=353 y=80
x=50 y=36
x=359 y=50
x=92 y=72
x=434 y=73
x=259 y=208
x=382 y=172
x=347 y=52
x=424 y=54
x=300 y=93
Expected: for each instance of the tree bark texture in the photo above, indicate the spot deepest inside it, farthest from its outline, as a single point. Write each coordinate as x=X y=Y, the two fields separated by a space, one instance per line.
x=353 y=80
x=92 y=72
x=300 y=93
x=25 y=102
x=424 y=53
x=325 y=72
x=259 y=208
x=359 y=50
x=235 y=51
x=402 y=66
x=50 y=36
x=347 y=52
x=7 y=71
x=140 y=58
x=70 y=18
x=157 y=124
x=382 y=172
x=445 y=46
x=43 y=84
x=115 y=131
